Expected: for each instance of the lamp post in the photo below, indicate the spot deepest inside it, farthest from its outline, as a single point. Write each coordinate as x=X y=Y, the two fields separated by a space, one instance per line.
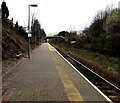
x=29 y=31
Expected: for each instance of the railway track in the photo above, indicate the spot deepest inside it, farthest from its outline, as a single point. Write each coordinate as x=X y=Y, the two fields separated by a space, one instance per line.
x=110 y=90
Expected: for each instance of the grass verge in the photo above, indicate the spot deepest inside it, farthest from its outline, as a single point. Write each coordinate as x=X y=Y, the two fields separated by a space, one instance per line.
x=106 y=66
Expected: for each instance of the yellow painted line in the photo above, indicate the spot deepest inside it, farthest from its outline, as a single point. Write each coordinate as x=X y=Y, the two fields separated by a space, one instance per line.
x=50 y=47
x=70 y=89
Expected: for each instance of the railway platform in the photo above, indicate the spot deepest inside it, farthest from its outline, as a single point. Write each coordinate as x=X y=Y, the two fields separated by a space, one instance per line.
x=48 y=76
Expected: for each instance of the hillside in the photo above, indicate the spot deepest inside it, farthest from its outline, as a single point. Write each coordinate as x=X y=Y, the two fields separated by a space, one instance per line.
x=14 y=42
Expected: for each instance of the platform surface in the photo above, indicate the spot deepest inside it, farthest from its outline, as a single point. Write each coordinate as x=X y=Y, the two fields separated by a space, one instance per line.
x=48 y=77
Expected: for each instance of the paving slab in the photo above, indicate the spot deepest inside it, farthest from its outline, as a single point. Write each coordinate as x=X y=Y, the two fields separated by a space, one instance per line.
x=48 y=77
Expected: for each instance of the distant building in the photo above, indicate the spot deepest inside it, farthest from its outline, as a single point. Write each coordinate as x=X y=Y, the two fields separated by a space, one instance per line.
x=119 y=4
x=79 y=32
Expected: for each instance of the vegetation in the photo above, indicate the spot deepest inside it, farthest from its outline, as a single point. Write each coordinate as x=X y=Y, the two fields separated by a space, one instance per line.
x=98 y=43
x=103 y=35
x=15 y=37
x=37 y=33
x=112 y=23
x=108 y=63
x=5 y=11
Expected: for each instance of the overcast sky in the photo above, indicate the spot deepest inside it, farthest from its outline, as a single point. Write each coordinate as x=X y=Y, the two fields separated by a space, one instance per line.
x=58 y=15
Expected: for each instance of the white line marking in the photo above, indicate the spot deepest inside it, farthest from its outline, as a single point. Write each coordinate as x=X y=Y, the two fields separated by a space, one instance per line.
x=85 y=78
x=95 y=73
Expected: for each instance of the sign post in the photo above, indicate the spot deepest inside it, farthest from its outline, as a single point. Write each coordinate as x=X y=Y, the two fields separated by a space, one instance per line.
x=29 y=36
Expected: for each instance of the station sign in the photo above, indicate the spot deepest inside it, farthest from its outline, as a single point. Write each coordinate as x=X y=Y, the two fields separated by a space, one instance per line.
x=29 y=35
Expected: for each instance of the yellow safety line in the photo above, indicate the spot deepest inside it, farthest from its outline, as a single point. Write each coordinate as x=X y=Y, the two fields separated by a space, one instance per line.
x=71 y=91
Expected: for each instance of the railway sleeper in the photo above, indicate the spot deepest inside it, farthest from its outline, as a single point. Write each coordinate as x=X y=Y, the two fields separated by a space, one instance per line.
x=114 y=98
x=100 y=83
x=110 y=92
x=107 y=89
